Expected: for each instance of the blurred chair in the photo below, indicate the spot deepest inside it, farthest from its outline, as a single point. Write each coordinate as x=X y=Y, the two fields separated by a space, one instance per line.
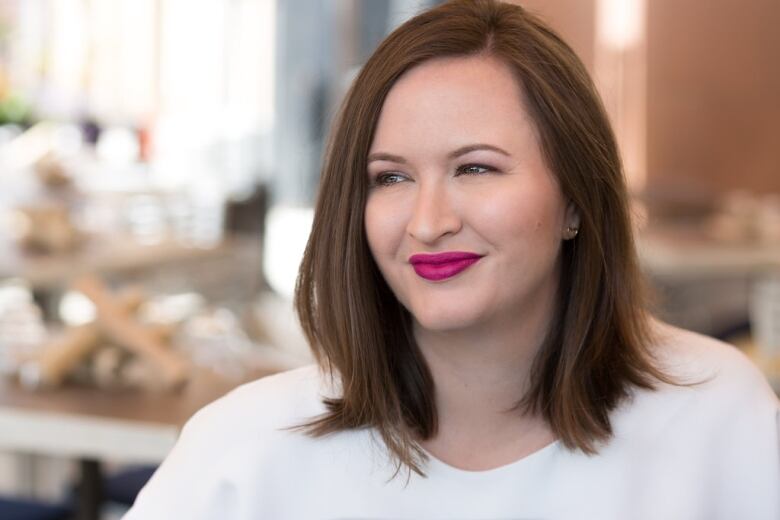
x=246 y=216
x=733 y=331
x=27 y=509
x=123 y=486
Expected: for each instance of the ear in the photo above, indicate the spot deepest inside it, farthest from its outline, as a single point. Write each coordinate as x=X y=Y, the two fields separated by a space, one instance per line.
x=572 y=216
x=571 y=222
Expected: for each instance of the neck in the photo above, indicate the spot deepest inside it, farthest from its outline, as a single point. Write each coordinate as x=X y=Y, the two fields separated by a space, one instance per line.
x=481 y=372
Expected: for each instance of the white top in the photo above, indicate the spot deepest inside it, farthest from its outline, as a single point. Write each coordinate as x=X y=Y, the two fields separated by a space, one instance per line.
x=706 y=452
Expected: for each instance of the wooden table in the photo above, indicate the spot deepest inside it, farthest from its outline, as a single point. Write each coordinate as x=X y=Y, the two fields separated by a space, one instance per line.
x=94 y=425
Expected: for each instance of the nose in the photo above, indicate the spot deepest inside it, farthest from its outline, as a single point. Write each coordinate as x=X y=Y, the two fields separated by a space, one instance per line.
x=434 y=214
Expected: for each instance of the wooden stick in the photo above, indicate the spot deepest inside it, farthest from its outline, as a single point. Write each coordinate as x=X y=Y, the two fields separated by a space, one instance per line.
x=131 y=298
x=58 y=357
x=163 y=332
x=116 y=323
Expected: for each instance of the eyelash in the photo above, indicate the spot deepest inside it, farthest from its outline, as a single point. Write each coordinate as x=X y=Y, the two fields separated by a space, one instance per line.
x=381 y=179
x=485 y=167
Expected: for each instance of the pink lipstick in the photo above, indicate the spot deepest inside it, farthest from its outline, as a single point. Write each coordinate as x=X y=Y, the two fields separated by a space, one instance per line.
x=441 y=266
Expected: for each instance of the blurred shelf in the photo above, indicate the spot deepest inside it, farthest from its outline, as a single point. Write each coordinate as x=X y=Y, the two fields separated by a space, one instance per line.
x=680 y=252
x=111 y=255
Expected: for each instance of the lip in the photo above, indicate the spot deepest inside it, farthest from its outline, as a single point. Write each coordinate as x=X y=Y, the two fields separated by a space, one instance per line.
x=440 y=266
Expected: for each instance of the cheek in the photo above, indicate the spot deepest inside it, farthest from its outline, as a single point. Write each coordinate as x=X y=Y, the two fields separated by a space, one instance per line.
x=372 y=233
x=521 y=217
x=382 y=225
x=384 y=233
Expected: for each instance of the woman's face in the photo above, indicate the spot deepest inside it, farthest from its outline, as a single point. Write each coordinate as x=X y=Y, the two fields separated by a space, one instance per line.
x=456 y=171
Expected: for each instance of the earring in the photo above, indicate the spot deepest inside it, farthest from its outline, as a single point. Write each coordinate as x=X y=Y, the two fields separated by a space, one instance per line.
x=571 y=232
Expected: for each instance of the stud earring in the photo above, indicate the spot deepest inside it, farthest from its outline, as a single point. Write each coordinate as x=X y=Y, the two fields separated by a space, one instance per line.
x=571 y=232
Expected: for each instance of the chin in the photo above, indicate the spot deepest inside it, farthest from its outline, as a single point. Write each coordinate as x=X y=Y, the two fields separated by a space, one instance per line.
x=444 y=321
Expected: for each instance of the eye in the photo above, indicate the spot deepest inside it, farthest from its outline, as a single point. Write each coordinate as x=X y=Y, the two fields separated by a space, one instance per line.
x=474 y=169
x=387 y=179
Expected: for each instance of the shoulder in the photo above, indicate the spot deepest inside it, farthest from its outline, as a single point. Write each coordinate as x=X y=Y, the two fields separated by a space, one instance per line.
x=256 y=418
x=273 y=402
x=715 y=428
x=712 y=366
x=712 y=383
x=238 y=434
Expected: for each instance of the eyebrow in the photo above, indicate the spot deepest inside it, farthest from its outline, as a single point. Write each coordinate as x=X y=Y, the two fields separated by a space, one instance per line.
x=463 y=150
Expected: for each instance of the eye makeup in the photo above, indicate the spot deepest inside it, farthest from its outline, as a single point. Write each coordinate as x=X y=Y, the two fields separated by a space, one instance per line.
x=386 y=179
x=475 y=169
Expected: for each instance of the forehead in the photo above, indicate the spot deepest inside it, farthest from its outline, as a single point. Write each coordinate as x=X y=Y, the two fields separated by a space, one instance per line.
x=463 y=98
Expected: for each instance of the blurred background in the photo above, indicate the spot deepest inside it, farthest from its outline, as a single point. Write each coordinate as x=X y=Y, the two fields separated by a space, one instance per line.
x=158 y=164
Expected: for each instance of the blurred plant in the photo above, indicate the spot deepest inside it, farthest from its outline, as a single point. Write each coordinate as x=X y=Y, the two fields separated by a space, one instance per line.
x=15 y=110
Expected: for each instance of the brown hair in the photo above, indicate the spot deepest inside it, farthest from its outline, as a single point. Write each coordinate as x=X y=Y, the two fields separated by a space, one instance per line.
x=598 y=347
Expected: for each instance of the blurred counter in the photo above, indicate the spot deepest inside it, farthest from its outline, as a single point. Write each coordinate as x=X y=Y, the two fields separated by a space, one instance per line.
x=729 y=289
x=681 y=252
x=231 y=265
x=88 y=423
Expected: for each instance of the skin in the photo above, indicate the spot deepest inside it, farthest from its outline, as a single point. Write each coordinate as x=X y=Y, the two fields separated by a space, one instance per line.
x=456 y=165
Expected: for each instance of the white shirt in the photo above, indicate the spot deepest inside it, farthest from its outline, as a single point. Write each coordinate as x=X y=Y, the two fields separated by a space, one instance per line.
x=709 y=452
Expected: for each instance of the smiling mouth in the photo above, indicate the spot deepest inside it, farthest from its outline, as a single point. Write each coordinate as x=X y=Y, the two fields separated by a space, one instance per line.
x=441 y=266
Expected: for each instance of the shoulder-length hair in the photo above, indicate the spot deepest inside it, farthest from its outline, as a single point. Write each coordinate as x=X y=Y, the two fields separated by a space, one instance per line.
x=598 y=347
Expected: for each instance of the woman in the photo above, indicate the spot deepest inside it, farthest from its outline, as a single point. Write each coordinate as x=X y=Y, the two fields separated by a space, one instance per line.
x=472 y=296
